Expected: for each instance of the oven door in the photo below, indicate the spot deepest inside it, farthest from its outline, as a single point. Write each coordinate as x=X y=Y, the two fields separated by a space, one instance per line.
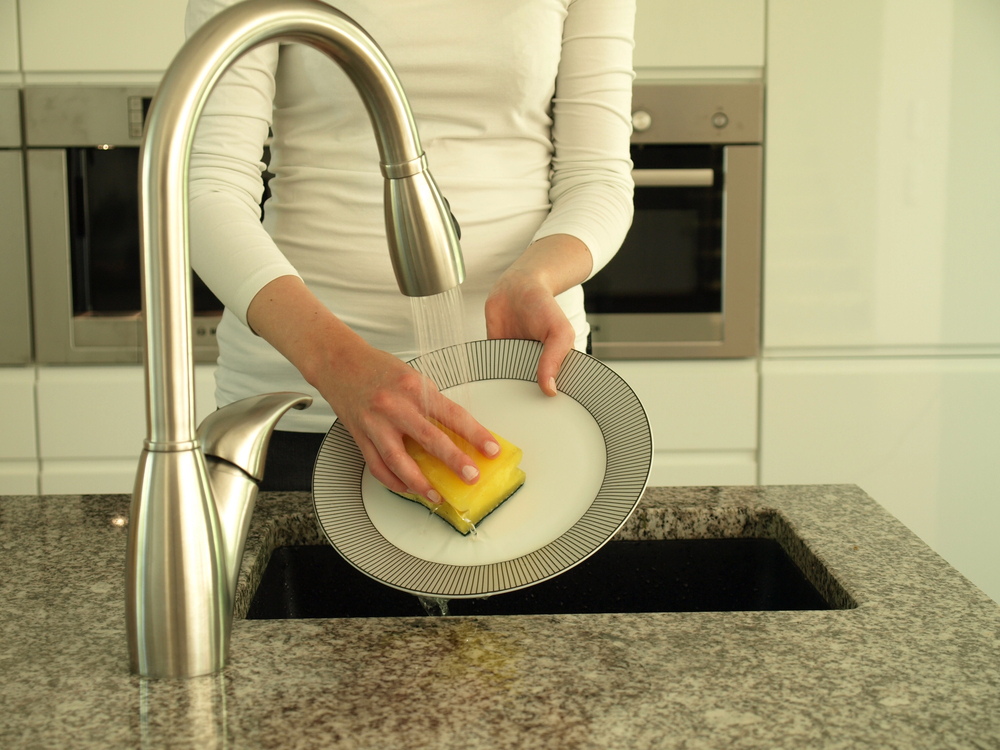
x=82 y=160
x=686 y=281
x=15 y=318
x=85 y=249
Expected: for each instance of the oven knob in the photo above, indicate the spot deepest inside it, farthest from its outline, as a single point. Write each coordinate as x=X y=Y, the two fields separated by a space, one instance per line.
x=641 y=120
x=720 y=120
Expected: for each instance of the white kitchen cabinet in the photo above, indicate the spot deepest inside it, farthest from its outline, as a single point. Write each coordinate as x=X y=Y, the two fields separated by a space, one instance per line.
x=680 y=37
x=881 y=163
x=9 y=50
x=18 y=439
x=91 y=424
x=917 y=434
x=704 y=418
x=113 y=36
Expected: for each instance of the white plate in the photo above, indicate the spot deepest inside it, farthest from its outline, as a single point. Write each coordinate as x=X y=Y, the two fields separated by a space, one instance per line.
x=587 y=455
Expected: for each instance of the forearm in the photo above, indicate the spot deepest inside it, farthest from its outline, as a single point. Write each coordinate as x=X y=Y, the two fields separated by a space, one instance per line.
x=290 y=318
x=558 y=262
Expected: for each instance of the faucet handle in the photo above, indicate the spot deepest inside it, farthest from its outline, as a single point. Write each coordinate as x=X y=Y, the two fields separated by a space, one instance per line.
x=241 y=431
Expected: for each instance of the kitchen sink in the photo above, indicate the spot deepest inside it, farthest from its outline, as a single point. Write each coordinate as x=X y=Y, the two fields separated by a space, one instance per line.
x=663 y=575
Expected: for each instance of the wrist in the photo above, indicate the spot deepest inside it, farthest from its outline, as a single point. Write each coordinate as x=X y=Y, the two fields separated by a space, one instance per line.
x=558 y=262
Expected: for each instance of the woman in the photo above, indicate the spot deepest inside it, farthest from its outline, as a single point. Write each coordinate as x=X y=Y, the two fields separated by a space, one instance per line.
x=523 y=110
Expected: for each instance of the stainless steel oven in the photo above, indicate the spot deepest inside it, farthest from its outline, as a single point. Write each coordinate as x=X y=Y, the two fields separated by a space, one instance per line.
x=82 y=156
x=686 y=281
x=15 y=314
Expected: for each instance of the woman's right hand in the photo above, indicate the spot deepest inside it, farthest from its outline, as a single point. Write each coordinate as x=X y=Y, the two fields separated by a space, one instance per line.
x=378 y=398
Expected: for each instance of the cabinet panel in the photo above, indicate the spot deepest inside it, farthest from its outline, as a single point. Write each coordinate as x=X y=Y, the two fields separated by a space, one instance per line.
x=881 y=228
x=696 y=405
x=18 y=445
x=91 y=423
x=18 y=477
x=92 y=412
x=919 y=435
x=699 y=33
x=103 y=476
x=703 y=468
x=17 y=413
x=120 y=35
x=9 y=52
x=703 y=416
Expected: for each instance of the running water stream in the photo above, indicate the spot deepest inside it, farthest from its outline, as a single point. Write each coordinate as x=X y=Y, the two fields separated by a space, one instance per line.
x=439 y=322
x=433 y=606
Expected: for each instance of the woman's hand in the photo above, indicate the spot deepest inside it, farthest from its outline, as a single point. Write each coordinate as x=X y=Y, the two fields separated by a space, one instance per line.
x=522 y=303
x=378 y=398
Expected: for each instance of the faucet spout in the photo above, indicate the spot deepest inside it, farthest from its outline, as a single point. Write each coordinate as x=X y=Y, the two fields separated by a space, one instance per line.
x=234 y=440
x=185 y=540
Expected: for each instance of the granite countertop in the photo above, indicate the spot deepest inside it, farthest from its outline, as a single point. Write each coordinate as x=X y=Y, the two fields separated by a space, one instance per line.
x=913 y=662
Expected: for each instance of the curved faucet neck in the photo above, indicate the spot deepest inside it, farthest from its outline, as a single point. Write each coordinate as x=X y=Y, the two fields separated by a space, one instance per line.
x=164 y=158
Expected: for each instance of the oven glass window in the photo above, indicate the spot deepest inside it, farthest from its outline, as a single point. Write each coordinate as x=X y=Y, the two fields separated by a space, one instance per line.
x=671 y=259
x=104 y=234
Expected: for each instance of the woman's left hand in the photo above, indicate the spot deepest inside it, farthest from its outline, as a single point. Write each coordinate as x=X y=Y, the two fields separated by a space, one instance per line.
x=522 y=303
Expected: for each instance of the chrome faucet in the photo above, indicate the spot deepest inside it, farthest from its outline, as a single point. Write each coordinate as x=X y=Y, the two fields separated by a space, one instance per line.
x=195 y=489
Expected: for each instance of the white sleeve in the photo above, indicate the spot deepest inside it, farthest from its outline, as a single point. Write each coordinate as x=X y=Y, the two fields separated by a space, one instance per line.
x=591 y=192
x=230 y=250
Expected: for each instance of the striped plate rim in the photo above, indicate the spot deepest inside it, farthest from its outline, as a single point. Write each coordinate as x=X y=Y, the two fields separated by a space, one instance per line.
x=628 y=441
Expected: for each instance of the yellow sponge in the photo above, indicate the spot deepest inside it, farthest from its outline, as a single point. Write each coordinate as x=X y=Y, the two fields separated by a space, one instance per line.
x=467 y=504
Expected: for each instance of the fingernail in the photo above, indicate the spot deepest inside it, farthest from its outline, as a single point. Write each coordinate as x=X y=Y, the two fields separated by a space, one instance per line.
x=434 y=497
x=552 y=384
x=491 y=449
x=470 y=473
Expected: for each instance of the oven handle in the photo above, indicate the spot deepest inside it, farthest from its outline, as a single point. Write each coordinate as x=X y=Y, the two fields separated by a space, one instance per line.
x=673 y=177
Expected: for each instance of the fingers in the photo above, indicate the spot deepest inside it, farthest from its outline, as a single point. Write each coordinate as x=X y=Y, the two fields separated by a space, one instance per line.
x=397 y=470
x=454 y=417
x=554 y=351
x=382 y=438
x=441 y=445
x=520 y=306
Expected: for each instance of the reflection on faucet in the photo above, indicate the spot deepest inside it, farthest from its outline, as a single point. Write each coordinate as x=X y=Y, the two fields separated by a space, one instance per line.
x=189 y=713
x=195 y=490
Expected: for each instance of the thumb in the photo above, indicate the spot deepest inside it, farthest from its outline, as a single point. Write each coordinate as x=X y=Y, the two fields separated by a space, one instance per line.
x=554 y=351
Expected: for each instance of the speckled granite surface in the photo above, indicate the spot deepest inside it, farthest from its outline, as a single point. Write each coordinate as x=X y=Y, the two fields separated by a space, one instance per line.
x=915 y=663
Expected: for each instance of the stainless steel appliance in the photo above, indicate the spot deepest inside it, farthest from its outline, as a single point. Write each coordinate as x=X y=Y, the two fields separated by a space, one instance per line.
x=82 y=157
x=686 y=282
x=15 y=313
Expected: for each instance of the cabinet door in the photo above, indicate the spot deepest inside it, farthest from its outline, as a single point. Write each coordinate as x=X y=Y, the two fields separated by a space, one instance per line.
x=110 y=36
x=684 y=34
x=18 y=451
x=919 y=435
x=880 y=189
x=91 y=424
x=703 y=416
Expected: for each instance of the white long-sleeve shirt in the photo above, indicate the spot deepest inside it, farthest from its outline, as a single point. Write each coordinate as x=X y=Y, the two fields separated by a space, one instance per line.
x=523 y=110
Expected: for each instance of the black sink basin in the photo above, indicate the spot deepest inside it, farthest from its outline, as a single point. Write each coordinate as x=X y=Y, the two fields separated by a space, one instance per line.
x=675 y=575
